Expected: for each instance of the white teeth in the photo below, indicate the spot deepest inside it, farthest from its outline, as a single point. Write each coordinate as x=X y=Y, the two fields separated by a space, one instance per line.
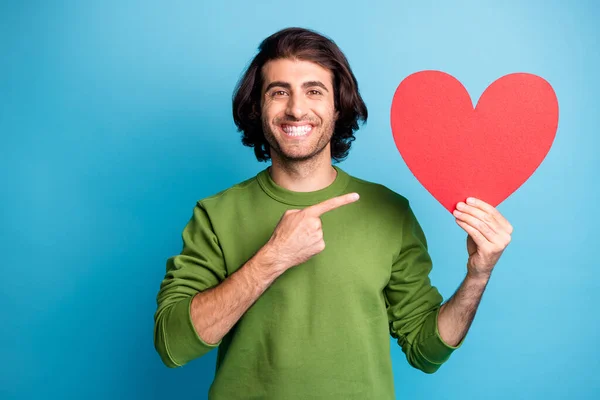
x=297 y=130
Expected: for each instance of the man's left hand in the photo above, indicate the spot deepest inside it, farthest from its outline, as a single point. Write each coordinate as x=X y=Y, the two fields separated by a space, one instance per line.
x=488 y=235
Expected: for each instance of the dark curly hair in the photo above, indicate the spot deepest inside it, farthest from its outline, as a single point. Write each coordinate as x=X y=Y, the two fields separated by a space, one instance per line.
x=306 y=45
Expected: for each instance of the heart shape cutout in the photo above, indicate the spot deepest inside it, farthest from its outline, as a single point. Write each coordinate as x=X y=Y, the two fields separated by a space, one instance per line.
x=456 y=151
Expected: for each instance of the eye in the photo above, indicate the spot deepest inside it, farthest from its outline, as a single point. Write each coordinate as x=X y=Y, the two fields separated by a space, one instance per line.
x=278 y=93
x=315 y=92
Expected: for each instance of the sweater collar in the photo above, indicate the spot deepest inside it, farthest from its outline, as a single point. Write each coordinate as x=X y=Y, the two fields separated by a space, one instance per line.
x=283 y=195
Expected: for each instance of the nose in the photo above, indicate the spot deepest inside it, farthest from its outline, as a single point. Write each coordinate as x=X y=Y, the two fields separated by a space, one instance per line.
x=296 y=106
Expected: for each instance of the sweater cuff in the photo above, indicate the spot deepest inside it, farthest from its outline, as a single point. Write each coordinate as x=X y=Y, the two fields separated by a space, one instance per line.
x=433 y=347
x=185 y=344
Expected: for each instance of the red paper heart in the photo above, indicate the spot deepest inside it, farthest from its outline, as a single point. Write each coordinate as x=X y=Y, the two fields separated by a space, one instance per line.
x=488 y=152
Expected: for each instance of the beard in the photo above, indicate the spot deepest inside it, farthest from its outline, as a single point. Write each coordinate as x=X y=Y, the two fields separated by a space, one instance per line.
x=320 y=137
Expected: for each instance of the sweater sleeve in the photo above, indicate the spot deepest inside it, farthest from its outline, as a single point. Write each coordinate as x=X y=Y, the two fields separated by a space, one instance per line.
x=200 y=266
x=413 y=303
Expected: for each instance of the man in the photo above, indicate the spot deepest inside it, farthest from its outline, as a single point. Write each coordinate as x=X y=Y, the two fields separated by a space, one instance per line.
x=296 y=282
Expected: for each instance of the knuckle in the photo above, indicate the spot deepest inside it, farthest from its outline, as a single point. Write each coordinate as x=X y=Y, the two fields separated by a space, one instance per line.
x=482 y=226
x=316 y=224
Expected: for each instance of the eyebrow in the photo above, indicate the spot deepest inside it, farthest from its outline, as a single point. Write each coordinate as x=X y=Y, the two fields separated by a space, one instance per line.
x=287 y=86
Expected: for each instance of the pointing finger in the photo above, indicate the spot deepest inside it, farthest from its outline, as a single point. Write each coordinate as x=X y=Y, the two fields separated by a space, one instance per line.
x=321 y=208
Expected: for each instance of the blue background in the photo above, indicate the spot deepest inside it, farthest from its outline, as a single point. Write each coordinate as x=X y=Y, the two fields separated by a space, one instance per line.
x=115 y=117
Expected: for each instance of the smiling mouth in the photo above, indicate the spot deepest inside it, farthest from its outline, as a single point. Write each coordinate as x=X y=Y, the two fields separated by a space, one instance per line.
x=296 y=131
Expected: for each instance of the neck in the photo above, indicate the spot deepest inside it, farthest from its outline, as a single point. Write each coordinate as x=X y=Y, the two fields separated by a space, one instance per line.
x=303 y=176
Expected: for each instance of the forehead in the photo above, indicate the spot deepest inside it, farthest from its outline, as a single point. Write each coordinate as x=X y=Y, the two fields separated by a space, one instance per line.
x=295 y=72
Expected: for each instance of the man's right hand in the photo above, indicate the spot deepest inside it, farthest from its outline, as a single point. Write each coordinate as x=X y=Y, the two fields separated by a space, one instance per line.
x=298 y=235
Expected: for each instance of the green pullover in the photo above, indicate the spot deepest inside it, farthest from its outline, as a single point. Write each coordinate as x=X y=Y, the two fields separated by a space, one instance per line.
x=321 y=330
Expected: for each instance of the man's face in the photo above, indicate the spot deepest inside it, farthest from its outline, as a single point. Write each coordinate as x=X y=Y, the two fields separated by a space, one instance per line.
x=298 y=112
